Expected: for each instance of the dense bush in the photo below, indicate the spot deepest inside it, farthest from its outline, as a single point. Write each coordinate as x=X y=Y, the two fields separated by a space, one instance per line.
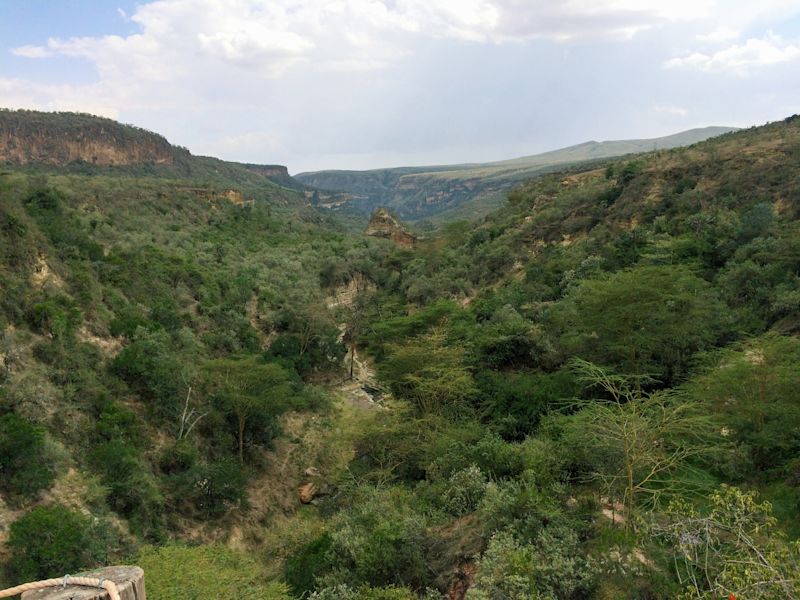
x=380 y=540
x=50 y=541
x=150 y=367
x=303 y=567
x=26 y=464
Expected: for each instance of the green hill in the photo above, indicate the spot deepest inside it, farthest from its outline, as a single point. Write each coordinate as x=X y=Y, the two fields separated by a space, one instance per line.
x=450 y=192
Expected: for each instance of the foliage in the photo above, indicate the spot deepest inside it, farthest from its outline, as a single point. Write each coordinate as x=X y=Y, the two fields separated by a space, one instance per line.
x=52 y=540
x=753 y=387
x=379 y=541
x=636 y=443
x=250 y=391
x=430 y=374
x=148 y=364
x=210 y=571
x=732 y=549
x=550 y=568
x=645 y=320
x=26 y=464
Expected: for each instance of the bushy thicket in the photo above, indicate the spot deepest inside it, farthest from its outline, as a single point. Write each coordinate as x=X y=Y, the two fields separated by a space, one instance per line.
x=594 y=389
x=611 y=343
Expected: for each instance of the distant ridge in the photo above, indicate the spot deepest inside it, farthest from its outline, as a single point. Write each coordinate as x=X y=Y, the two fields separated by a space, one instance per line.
x=88 y=143
x=444 y=192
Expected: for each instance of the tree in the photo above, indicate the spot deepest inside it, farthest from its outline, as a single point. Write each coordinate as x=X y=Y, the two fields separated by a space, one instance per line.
x=246 y=388
x=429 y=373
x=753 y=387
x=646 y=320
x=735 y=549
x=636 y=443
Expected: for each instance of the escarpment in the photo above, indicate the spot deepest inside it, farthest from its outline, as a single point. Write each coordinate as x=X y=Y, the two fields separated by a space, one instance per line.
x=28 y=137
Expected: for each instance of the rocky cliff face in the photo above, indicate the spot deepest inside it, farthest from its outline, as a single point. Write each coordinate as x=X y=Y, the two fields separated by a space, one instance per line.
x=268 y=170
x=62 y=138
x=383 y=224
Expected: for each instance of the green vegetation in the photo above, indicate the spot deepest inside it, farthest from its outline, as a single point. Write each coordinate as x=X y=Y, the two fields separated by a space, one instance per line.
x=590 y=393
x=54 y=539
x=439 y=194
x=26 y=466
x=191 y=572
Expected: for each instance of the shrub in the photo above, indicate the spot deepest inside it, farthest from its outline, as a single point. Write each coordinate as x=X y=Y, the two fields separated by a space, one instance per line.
x=149 y=366
x=378 y=541
x=549 y=568
x=302 y=568
x=58 y=316
x=133 y=491
x=52 y=540
x=214 y=488
x=25 y=464
x=345 y=592
x=464 y=491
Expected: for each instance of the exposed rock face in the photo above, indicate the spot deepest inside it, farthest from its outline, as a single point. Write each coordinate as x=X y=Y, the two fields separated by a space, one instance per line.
x=345 y=295
x=60 y=139
x=267 y=170
x=383 y=224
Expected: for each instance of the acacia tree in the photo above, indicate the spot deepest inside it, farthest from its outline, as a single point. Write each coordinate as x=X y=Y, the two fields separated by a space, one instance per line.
x=636 y=441
x=733 y=550
x=429 y=373
x=646 y=320
x=246 y=388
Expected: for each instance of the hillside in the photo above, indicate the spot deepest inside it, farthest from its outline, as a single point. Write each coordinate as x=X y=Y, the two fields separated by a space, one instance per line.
x=449 y=192
x=87 y=144
x=587 y=394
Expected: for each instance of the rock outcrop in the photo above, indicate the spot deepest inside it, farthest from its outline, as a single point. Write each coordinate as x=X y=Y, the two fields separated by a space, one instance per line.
x=60 y=139
x=383 y=224
x=267 y=170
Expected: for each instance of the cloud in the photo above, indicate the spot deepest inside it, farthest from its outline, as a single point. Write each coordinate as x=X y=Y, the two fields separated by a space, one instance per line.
x=16 y=93
x=740 y=59
x=365 y=78
x=189 y=50
x=720 y=34
x=250 y=31
x=32 y=52
x=677 y=111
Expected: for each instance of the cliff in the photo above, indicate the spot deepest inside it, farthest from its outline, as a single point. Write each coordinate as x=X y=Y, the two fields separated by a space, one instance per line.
x=59 y=139
x=383 y=224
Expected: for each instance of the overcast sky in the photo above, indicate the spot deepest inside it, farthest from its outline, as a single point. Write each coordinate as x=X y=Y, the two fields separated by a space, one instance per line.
x=318 y=84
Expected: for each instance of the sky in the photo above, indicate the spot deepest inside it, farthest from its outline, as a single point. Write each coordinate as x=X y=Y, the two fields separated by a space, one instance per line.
x=356 y=84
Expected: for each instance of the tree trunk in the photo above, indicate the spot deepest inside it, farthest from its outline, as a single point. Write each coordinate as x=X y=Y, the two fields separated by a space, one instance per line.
x=241 y=438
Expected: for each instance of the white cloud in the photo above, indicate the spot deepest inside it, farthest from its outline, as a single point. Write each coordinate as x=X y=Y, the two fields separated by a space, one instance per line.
x=740 y=58
x=32 y=52
x=678 y=111
x=188 y=48
x=720 y=34
x=35 y=96
x=313 y=73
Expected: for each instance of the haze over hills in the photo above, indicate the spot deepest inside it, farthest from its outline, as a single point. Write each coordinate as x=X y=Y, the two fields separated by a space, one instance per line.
x=446 y=192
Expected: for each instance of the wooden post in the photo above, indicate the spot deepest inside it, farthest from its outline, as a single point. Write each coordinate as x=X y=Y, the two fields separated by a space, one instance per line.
x=129 y=580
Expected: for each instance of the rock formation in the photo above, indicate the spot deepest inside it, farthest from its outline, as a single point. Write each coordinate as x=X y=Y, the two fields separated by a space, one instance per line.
x=383 y=224
x=62 y=138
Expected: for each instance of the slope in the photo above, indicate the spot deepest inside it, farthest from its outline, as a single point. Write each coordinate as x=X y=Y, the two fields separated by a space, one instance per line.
x=457 y=191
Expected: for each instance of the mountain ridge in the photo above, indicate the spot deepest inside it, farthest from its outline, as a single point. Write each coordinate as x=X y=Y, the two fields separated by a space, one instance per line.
x=92 y=144
x=443 y=191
